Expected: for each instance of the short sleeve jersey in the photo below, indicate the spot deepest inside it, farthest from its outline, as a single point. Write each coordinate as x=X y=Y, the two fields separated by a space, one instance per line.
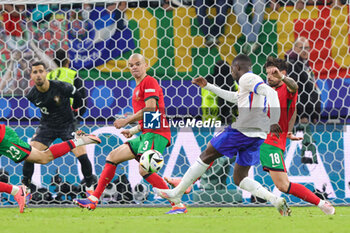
x=54 y=104
x=287 y=103
x=146 y=89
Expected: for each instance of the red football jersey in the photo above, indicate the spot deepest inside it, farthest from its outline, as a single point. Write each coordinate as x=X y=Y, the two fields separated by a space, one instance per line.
x=287 y=103
x=149 y=88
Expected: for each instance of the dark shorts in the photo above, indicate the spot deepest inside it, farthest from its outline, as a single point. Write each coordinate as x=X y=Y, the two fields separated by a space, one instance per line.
x=13 y=147
x=46 y=135
x=231 y=142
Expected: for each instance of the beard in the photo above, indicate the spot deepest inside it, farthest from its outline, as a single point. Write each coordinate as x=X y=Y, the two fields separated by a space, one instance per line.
x=39 y=83
x=274 y=84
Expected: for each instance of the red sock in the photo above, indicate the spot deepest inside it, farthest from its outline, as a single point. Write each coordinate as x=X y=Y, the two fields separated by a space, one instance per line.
x=302 y=192
x=106 y=177
x=156 y=181
x=62 y=148
x=7 y=188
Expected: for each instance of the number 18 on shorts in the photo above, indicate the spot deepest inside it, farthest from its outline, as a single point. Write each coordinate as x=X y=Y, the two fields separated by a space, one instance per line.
x=271 y=158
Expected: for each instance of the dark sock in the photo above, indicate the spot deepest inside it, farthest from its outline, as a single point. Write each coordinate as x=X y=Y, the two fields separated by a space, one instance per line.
x=86 y=169
x=28 y=170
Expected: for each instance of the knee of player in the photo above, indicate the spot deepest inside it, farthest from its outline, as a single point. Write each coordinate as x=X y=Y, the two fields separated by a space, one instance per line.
x=142 y=171
x=209 y=154
x=120 y=154
x=42 y=161
x=237 y=180
x=113 y=158
x=45 y=160
x=282 y=186
x=45 y=157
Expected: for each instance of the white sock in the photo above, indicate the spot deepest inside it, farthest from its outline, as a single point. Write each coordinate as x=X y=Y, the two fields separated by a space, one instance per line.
x=14 y=190
x=257 y=189
x=322 y=202
x=78 y=142
x=193 y=173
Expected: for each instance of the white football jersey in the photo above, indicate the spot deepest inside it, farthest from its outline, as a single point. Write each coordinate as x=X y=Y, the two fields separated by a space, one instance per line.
x=252 y=118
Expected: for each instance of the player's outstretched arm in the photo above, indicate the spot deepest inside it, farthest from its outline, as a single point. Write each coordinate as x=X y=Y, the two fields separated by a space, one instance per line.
x=226 y=95
x=200 y=81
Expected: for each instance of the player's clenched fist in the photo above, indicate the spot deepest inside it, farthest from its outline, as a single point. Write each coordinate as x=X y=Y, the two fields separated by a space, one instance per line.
x=200 y=81
x=119 y=123
x=275 y=72
x=292 y=137
x=127 y=133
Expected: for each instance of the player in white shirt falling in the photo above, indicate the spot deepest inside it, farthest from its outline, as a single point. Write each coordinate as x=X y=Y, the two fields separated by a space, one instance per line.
x=243 y=137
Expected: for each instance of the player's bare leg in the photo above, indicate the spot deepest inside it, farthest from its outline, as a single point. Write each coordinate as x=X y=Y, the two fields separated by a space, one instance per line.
x=282 y=182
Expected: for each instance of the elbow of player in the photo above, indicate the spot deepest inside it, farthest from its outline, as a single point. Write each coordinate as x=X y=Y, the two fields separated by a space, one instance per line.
x=295 y=88
x=150 y=109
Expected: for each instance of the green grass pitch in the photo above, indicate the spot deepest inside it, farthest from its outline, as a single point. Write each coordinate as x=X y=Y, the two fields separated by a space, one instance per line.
x=201 y=220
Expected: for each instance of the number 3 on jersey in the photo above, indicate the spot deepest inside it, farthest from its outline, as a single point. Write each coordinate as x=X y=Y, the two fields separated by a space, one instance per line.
x=145 y=145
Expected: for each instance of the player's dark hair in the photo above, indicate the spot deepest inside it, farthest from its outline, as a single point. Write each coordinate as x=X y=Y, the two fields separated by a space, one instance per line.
x=39 y=63
x=61 y=58
x=276 y=62
x=243 y=61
